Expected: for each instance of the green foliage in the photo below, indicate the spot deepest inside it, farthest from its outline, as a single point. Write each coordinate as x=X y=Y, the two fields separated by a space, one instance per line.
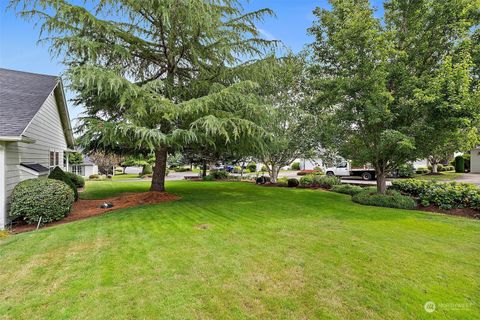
x=264 y=169
x=237 y=169
x=389 y=89
x=181 y=169
x=162 y=75
x=347 y=189
x=459 y=164
x=75 y=158
x=58 y=174
x=292 y=183
x=77 y=180
x=318 y=181
x=392 y=199
x=309 y=172
x=406 y=170
x=93 y=176
x=48 y=199
x=444 y=195
x=422 y=170
x=283 y=182
x=306 y=181
x=147 y=169
x=209 y=177
x=252 y=167
x=219 y=174
x=296 y=166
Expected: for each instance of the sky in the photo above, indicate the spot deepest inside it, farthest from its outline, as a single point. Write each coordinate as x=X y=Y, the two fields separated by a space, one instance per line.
x=19 y=49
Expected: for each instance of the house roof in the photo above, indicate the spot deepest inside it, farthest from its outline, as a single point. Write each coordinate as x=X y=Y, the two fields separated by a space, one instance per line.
x=22 y=94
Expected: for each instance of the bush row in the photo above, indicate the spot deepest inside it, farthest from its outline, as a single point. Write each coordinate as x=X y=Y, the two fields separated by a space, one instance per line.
x=347 y=189
x=393 y=199
x=318 y=181
x=444 y=195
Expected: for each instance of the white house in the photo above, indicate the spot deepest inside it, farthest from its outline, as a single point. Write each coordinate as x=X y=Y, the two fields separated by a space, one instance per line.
x=475 y=160
x=84 y=169
x=35 y=130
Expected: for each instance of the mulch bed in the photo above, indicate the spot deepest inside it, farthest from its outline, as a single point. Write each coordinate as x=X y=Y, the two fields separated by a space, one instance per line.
x=464 y=212
x=83 y=209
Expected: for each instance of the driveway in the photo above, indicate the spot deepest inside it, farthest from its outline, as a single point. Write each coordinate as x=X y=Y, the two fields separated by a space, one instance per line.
x=473 y=178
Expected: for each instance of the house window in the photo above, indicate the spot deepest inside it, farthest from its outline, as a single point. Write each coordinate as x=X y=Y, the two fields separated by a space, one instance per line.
x=54 y=159
x=78 y=170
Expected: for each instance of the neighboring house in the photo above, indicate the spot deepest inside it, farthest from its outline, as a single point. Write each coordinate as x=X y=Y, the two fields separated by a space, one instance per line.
x=35 y=130
x=84 y=169
x=475 y=160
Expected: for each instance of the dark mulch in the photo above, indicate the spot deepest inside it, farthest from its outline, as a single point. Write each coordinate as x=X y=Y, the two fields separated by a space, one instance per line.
x=83 y=209
x=464 y=212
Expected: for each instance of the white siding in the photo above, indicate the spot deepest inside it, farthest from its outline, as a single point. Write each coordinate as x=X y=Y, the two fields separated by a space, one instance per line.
x=3 y=200
x=475 y=161
x=47 y=131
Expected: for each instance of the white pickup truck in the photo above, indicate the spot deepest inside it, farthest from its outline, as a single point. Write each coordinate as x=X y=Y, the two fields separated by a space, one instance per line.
x=344 y=169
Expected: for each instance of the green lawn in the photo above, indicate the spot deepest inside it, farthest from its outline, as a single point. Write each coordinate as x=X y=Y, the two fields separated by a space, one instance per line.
x=266 y=253
x=442 y=176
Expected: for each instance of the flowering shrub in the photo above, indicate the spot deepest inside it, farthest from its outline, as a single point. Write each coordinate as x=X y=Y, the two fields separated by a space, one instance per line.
x=444 y=195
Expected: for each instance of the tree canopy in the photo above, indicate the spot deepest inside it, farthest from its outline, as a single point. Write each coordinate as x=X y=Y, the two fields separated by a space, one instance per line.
x=155 y=75
x=377 y=82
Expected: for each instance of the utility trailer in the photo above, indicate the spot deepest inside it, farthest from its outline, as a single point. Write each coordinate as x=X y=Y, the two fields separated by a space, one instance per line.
x=345 y=169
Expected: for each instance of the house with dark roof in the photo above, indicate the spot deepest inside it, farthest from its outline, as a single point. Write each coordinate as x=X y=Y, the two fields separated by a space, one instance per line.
x=35 y=130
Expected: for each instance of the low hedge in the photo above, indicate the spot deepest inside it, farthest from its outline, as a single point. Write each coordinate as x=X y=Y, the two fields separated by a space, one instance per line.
x=393 y=199
x=292 y=183
x=309 y=172
x=422 y=170
x=444 y=195
x=347 y=189
x=59 y=174
x=219 y=174
x=48 y=199
x=317 y=181
x=77 y=180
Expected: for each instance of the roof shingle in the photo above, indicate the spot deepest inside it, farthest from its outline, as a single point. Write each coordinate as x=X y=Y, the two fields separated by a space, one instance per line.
x=21 y=96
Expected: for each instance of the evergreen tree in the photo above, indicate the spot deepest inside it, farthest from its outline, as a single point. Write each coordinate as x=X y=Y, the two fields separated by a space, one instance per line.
x=154 y=74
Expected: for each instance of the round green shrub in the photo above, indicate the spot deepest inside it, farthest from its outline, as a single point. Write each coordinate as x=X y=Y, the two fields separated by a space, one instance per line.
x=292 y=183
x=147 y=169
x=406 y=171
x=48 y=199
x=306 y=181
x=77 y=180
x=219 y=174
x=347 y=189
x=93 y=176
x=59 y=174
x=252 y=167
x=393 y=199
x=296 y=166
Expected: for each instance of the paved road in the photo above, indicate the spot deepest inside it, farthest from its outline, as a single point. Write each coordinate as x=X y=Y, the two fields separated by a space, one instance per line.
x=172 y=176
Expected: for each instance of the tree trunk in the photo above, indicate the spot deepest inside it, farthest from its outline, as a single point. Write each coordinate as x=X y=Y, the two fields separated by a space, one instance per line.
x=204 y=169
x=274 y=173
x=381 y=181
x=434 y=168
x=160 y=170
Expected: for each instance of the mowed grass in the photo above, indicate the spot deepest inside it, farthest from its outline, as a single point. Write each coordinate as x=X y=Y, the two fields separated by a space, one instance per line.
x=240 y=251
